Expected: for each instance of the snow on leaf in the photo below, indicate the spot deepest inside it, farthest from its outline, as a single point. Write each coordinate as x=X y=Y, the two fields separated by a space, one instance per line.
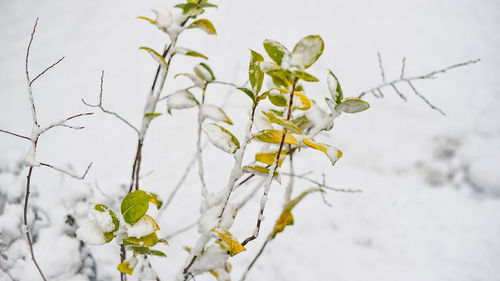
x=231 y=244
x=255 y=73
x=273 y=118
x=156 y=56
x=128 y=266
x=204 y=25
x=180 y=100
x=301 y=101
x=192 y=9
x=334 y=87
x=143 y=227
x=215 y=113
x=333 y=153
x=103 y=221
x=352 y=105
x=188 y=52
x=164 y=17
x=276 y=50
x=90 y=232
x=195 y=79
x=204 y=72
x=307 y=51
x=280 y=76
x=275 y=136
x=221 y=138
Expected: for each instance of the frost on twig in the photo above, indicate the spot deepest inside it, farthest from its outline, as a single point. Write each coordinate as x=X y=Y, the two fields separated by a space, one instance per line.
x=409 y=80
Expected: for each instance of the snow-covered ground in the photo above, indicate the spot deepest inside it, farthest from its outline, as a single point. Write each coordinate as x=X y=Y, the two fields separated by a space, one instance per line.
x=430 y=206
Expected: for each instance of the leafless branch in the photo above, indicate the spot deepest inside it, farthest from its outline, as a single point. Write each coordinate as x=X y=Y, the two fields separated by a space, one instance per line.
x=182 y=230
x=99 y=105
x=381 y=67
x=409 y=80
x=46 y=69
x=62 y=123
x=68 y=172
x=321 y=185
x=14 y=134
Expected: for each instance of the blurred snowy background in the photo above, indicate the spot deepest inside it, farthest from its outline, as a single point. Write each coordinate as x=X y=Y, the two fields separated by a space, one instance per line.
x=430 y=206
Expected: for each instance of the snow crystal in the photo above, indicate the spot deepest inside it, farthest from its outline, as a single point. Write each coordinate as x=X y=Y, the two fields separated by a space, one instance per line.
x=219 y=138
x=180 y=99
x=267 y=66
x=213 y=257
x=141 y=228
x=332 y=153
x=90 y=232
x=212 y=112
x=103 y=219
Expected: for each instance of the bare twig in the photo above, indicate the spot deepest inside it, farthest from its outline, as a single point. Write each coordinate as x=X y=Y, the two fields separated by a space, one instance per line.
x=182 y=230
x=322 y=185
x=14 y=134
x=381 y=67
x=67 y=172
x=255 y=259
x=410 y=80
x=99 y=105
x=46 y=69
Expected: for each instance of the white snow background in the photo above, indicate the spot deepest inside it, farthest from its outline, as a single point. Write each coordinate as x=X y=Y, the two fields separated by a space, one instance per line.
x=430 y=206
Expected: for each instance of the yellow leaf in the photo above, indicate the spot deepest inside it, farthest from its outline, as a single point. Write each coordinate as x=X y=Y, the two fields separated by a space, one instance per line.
x=333 y=153
x=273 y=118
x=231 y=244
x=148 y=240
x=285 y=219
x=204 y=25
x=153 y=222
x=128 y=266
x=269 y=157
x=300 y=101
x=275 y=136
x=258 y=170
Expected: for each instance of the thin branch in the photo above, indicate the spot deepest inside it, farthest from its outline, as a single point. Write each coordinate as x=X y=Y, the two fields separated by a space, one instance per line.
x=255 y=259
x=410 y=80
x=224 y=83
x=14 y=134
x=46 y=69
x=67 y=172
x=403 y=66
x=62 y=123
x=346 y=190
x=381 y=67
x=99 y=105
x=424 y=99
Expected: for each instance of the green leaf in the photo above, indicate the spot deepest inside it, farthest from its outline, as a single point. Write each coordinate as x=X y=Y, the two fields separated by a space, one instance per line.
x=334 y=87
x=307 y=51
x=305 y=76
x=190 y=53
x=248 y=92
x=204 y=25
x=192 y=9
x=282 y=122
x=352 y=105
x=276 y=50
x=255 y=74
x=136 y=204
x=141 y=250
x=279 y=97
x=152 y=115
x=208 y=5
